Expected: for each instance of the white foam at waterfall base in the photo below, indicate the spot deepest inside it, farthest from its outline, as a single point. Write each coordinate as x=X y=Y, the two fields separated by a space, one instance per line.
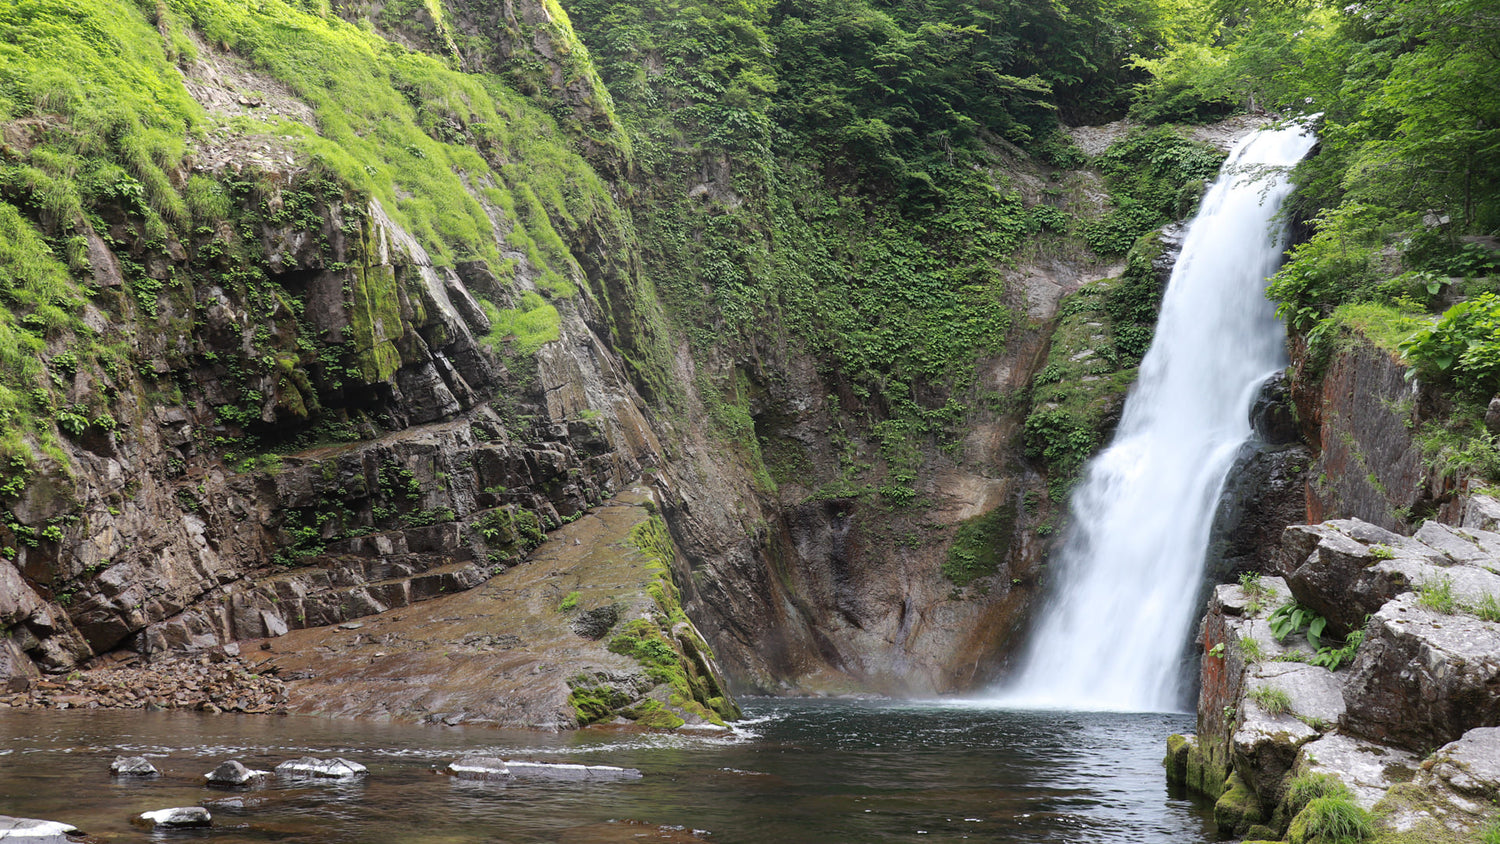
x=1127 y=577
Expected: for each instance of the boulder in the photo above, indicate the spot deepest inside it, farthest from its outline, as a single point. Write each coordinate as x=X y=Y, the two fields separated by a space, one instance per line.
x=1237 y=809
x=1422 y=678
x=234 y=773
x=1265 y=744
x=1336 y=578
x=185 y=817
x=33 y=831
x=331 y=769
x=1482 y=512
x=132 y=766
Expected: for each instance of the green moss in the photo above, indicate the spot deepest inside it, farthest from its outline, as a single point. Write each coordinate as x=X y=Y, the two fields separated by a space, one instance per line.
x=522 y=330
x=1237 y=809
x=980 y=545
x=1102 y=332
x=1175 y=762
x=594 y=701
x=375 y=317
x=652 y=715
x=666 y=645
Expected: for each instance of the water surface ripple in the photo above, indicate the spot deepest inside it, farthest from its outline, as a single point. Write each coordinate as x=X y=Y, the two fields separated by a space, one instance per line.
x=799 y=771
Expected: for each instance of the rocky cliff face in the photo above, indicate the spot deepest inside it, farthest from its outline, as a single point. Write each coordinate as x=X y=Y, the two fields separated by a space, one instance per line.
x=340 y=343
x=1361 y=669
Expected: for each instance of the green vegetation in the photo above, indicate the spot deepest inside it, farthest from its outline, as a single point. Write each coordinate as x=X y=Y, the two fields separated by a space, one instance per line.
x=1437 y=595
x=1292 y=618
x=1155 y=177
x=1402 y=192
x=1335 y=819
x=100 y=124
x=667 y=647
x=1102 y=333
x=835 y=174
x=1250 y=649
x=1271 y=700
x=980 y=545
x=570 y=601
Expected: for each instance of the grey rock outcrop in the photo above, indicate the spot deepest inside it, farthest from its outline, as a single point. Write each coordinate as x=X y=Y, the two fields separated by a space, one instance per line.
x=1423 y=678
x=1426 y=674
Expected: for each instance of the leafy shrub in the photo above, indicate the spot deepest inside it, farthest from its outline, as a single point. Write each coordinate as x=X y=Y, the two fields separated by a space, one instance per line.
x=1462 y=348
x=1154 y=177
x=1340 y=263
x=1292 y=618
x=1331 y=658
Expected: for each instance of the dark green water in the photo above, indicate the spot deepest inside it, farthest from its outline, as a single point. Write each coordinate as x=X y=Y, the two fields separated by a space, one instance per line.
x=801 y=771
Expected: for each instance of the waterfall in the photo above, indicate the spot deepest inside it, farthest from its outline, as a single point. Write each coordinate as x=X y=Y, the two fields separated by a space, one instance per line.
x=1128 y=575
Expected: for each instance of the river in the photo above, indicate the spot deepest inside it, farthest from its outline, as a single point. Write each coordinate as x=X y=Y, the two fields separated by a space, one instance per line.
x=796 y=771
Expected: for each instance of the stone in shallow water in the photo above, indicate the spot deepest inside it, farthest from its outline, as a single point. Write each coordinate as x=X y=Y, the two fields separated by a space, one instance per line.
x=234 y=772
x=132 y=766
x=331 y=769
x=184 y=817
x=491 y=768
x=33 y=831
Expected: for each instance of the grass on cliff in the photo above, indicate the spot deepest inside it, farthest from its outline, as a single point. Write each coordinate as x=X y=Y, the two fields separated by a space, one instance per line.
x=98 y=130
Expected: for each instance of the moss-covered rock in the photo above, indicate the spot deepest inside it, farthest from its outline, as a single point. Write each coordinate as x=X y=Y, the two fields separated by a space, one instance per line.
x=1238 y=808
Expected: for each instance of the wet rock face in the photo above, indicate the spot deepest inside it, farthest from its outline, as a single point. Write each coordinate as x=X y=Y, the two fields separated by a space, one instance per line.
x=1272 y=415
x=1360 y=416
x=167 y=519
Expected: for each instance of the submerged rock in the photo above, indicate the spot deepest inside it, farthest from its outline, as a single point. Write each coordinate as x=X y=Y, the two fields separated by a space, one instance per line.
x=494 y=769
x=479 y=768
x=132 y=766
x=234 y=773
x=332 y=769
x=185 y=817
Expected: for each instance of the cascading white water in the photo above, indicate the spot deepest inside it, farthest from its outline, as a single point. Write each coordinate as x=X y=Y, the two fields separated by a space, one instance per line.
x=1129 y=572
